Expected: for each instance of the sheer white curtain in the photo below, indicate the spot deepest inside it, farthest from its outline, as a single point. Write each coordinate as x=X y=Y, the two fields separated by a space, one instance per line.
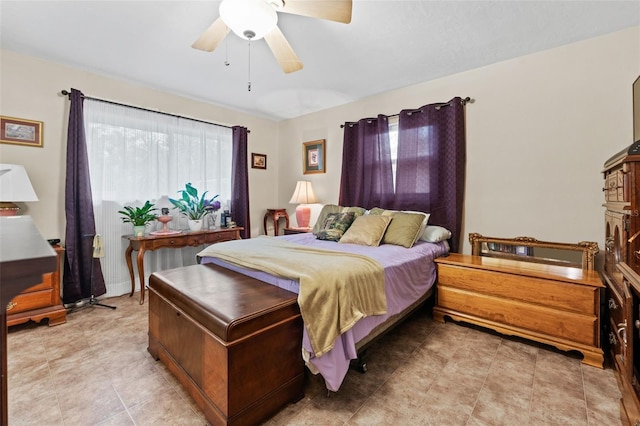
x=137 y=155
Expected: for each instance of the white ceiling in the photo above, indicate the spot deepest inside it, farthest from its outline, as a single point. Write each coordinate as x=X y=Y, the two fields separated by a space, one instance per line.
x=389 y=44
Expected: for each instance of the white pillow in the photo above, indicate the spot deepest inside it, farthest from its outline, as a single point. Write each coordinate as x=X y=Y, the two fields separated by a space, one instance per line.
x=435 y=234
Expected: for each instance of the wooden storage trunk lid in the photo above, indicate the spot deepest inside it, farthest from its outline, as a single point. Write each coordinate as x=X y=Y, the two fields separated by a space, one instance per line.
x=228 y=304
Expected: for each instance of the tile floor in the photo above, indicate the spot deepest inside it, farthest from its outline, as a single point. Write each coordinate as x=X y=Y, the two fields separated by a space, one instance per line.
x=95 y=370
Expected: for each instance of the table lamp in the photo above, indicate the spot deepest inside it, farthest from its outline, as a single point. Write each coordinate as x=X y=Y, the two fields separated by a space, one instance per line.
x=303 y=195
x=15 y=187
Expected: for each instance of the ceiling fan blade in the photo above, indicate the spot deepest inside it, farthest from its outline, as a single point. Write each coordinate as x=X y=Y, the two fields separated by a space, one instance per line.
x=332 y=10
x=282 y=50
x=210 y=39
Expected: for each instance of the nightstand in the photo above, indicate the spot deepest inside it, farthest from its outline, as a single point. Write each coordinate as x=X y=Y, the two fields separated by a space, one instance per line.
x=291 y=231
x=275 y=215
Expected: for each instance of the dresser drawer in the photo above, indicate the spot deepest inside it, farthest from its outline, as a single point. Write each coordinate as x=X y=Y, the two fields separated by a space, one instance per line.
x=228 y=235
x=535 y=291
x=614 y=186
x=32 y=300
x=563 y=324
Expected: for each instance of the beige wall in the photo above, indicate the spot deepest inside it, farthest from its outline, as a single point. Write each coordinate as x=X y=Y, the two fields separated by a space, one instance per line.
x=538 y=134
x=30 y=88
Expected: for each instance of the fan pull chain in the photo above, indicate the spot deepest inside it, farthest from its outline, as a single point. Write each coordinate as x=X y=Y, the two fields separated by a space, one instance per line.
x=249 y=78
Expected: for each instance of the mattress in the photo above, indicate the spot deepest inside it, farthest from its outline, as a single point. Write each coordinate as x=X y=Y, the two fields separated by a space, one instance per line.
x=409 y=275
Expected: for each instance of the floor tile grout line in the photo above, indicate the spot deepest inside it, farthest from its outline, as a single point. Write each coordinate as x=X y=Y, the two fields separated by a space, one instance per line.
x=542 y=364
x=484 y=381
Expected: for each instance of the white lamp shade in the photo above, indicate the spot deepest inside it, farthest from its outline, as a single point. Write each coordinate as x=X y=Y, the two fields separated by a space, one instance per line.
x=256 y=16
x=303 y=193
x=15 y=185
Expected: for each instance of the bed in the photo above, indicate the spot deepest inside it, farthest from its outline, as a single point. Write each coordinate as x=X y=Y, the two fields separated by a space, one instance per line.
x=409 y=276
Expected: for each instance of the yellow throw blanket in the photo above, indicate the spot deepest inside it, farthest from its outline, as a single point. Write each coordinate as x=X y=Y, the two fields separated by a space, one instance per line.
x=336 y=289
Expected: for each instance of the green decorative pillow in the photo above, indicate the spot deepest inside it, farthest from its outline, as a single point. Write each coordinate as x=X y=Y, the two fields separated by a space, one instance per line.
x=326 y=209
x=367 y=230
x=329 y=235
x=335 y=225
x=404 y=229
x=376 y=211
x=357 y=211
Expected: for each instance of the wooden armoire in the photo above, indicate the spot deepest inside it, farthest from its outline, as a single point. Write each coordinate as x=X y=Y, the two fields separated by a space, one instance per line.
x=622 y=268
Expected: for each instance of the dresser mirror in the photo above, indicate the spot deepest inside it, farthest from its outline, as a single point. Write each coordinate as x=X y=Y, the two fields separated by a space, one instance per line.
x=580 y=255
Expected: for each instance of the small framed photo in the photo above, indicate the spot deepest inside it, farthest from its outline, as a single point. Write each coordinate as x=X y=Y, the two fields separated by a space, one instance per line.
x=19 y=131
x=258 y=161
x=313 y=157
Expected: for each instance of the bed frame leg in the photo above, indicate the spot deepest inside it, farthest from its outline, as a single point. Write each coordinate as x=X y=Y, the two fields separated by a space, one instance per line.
x=359 y=364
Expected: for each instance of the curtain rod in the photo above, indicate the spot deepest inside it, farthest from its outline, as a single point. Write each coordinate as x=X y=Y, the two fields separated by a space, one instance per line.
x=68 y=94
x=464 y=101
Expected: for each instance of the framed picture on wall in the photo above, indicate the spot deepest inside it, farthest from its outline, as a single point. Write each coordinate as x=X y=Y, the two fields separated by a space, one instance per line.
x=258 y=161
x=313 y=157
x=19 y=131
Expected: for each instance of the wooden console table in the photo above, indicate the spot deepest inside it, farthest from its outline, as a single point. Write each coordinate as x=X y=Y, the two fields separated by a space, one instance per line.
x=183 y=239
x=555 y=305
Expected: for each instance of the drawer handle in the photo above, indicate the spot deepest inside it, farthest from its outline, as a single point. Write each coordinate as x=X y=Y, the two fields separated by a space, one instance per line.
x=612 y=304
x=11 y=305
x=622 y=331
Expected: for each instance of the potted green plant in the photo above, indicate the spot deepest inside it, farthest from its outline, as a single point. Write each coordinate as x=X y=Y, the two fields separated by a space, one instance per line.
x=193 y=206
x=139 y=217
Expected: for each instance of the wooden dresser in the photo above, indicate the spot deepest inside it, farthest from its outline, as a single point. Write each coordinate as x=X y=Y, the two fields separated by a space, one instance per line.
x=551 y=304
x=24 y=257
x=40 y=301
x=621 y=273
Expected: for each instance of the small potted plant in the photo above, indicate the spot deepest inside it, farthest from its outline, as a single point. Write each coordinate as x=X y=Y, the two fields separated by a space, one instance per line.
x=139 y=217
x=194 y=207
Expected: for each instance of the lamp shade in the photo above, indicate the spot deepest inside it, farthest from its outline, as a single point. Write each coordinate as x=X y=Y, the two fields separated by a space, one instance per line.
x=15 y=185
x=248 y=19
x=303 y=193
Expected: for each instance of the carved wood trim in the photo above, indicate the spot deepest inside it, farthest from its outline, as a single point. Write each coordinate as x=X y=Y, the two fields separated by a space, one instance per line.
x=589 y=249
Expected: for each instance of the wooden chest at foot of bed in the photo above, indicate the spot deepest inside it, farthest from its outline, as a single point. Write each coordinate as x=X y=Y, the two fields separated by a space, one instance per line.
x=232 y=341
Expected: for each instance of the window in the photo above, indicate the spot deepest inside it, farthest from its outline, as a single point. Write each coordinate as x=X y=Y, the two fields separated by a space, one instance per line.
x=137 y=155
x=393 y=145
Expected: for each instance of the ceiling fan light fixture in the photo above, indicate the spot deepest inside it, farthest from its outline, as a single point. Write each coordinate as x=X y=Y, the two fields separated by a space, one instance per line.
x=248 y=17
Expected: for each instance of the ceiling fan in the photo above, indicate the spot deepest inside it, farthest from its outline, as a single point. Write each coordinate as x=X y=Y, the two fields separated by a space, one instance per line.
x=255 y=19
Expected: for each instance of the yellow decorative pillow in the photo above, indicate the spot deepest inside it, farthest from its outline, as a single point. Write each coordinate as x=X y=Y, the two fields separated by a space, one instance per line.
x=404 y=229
x=366 y=230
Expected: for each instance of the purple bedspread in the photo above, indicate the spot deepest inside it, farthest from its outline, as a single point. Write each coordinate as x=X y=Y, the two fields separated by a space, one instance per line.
x=409 y=274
